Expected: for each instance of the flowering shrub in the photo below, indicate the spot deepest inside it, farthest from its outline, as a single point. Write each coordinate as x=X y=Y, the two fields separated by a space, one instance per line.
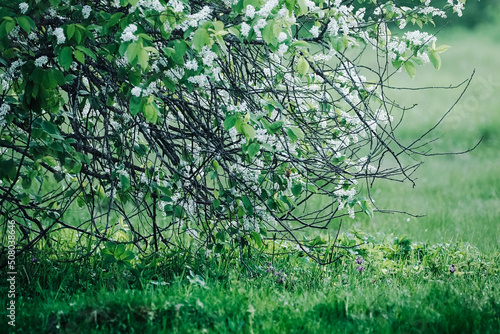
x=205 y=124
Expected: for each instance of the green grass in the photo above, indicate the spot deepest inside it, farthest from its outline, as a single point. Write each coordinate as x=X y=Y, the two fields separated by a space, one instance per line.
x=405 y=287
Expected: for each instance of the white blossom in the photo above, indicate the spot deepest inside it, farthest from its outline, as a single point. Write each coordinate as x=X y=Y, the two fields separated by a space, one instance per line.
x=23 y=7
x=261 y=23
x=177 y=6
x=191 y=65
x=194 y=20
x=208 y=56
x=86 y=11
x=282 y=49
x=40 y=61
x=458 y=7
x=419 y=38
x=51 y=12
x=128 y=33
x=136 y=91
x=314 y=31
x=201 y=80
x=283 y=12
x=282 y=36
x=245 y=29
x=59 y=33
x=250 y=11
x=267 y=8
x=4 y=109
x=333 y=27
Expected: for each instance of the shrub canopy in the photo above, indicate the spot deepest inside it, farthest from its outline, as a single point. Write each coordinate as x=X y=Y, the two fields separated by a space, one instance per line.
x=202 y=125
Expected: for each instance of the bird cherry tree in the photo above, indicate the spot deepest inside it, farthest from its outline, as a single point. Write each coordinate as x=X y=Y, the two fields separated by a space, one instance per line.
x=207 y=126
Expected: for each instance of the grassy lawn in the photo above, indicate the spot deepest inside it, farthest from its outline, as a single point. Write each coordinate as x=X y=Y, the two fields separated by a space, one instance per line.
x=434 y=274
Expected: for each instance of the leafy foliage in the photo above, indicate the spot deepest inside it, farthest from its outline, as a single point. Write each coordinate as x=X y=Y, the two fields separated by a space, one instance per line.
x=204 y=127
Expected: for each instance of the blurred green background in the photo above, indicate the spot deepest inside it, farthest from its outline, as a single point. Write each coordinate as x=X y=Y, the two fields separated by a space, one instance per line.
x=458 y=194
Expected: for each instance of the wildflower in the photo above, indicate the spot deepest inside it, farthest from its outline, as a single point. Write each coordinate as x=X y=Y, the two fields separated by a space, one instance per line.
x=359 y=260
x=34 y=259
x=360 y=269
x=452 y=269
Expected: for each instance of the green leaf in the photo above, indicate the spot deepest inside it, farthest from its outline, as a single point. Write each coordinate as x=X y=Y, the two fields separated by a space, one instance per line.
x=248 y=131
x=132 y=51
x=135 y=106
x=178 y=211
x=24 y=23
x=366 y=207
x=114 y=19
x=50 y=128
x=79 y=56
x=229 y=122
x=297 y=189
x=125 y=182
x=268 y=33
x=297 y=131
x=8 y=169
x=257 y=238
x=435 y=59
x=87 y=51
x=127 y=256
x=290 y=5
x=275 y=127
x=200 y=39
x=50 y=161
x=72 y=166
x=442 y=48
x=253 y=149
x=143 y=58
x=302 y=7
x=410 y=68
x=180 y=50
x=58 y=76
x=300 y=44
x=302 y=66
x=70 y=31
x=234 y=31
x=26 y=182
x=66 y=57
x=150 y=114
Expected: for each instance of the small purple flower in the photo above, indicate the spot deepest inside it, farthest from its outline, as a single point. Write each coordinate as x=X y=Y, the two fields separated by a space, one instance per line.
x=34 y=259
x=360 y=269
x=359 y=260
x=452 y=268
